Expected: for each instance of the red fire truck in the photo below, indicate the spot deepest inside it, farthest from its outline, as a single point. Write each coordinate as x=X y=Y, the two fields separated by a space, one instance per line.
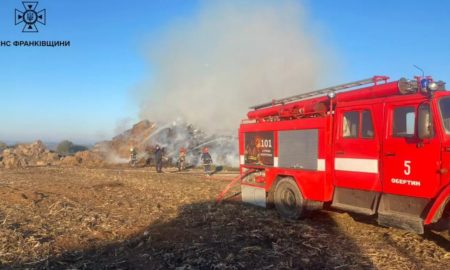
x=371 y=147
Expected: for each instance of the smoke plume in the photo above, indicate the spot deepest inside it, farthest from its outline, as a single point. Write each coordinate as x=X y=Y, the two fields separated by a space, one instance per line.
x=208 y=69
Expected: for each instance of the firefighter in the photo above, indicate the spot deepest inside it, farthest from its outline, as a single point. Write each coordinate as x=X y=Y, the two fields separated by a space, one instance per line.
x=207 y=160
x=158 y=158
x=182 y=159
x=133 y=157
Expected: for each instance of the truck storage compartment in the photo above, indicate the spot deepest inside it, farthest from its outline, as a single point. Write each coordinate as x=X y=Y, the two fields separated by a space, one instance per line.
x=298 y=149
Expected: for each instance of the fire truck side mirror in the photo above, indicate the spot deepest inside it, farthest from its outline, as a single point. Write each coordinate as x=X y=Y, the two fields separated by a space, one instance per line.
x=425 y=122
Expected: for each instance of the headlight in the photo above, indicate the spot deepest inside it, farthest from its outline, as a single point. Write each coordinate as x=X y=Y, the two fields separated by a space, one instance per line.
x=432 y=86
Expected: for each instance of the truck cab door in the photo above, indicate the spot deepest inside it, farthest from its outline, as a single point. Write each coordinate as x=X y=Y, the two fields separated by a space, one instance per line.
x=356 y=151
x=410 y=164
x=357 y=183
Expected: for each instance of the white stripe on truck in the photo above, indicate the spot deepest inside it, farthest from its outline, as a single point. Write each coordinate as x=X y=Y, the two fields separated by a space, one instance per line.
x=356 y=165
x=321 y=165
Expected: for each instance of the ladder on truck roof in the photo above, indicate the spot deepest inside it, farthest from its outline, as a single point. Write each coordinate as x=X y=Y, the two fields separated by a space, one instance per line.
x=323 y=91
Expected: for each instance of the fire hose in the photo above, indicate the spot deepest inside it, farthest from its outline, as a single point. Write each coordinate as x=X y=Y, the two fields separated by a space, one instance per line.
x=233 y=183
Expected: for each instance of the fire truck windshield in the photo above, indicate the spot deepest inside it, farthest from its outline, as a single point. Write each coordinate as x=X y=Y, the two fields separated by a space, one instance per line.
x=444 y=107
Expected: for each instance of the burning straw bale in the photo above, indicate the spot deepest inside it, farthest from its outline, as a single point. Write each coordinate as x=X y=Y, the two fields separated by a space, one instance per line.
x=143 y=137
x=134 y=137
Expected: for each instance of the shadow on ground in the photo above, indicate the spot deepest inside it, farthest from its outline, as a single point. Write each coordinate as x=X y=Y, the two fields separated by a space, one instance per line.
x=228 y=236
x=430 y=234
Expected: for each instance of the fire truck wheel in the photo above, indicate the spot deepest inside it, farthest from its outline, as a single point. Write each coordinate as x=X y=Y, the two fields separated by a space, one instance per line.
x=288 y=199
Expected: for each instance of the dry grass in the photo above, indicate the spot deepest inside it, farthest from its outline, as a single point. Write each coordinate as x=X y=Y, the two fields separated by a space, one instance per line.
x=118 y=218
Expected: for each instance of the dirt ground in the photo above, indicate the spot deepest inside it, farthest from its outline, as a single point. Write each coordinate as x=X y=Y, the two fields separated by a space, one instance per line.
x=122 y=218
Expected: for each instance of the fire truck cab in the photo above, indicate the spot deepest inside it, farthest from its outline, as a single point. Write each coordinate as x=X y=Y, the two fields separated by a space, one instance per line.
x=381 y=150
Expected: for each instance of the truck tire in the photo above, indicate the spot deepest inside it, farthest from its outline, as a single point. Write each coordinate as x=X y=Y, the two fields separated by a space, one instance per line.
x=288 y=199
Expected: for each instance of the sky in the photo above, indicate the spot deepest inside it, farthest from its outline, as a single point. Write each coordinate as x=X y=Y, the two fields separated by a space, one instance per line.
x=87 y=92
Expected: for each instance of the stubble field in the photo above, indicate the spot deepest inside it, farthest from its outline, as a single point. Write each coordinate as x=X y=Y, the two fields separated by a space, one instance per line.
x=122 y=218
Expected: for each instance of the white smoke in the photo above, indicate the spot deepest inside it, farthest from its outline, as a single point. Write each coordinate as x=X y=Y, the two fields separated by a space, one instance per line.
x=233 y=54
x=178 y=134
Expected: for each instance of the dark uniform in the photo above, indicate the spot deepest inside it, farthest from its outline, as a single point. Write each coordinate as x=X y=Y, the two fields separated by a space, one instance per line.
x=158 y=159
x=207 y=160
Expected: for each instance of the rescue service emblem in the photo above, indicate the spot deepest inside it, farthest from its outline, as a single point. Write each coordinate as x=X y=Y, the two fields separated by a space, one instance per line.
x=29 y=17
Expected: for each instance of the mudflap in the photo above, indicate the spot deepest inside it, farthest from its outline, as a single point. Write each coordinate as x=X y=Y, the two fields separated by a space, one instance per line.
x=402 y=212
x=406 y=222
